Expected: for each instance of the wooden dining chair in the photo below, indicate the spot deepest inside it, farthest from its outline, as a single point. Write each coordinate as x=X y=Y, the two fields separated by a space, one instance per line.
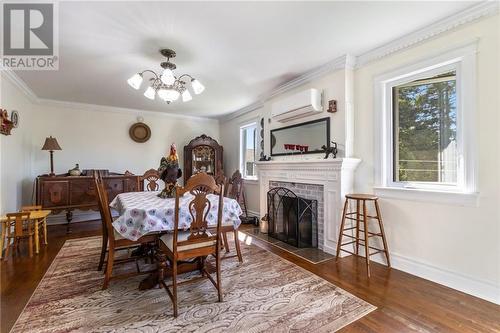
x=23 y=229
x=196 y=243
x=115 y=241
x=221 y=179
x=234 y=191
x=152 y=177
x=42 y=223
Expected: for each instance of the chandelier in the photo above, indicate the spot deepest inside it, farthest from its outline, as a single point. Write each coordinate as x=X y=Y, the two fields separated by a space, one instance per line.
x=168 y=86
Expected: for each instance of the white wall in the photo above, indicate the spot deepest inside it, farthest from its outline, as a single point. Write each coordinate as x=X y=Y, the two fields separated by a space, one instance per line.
x=462 y=241
x=13 y=157
x=95 y=139
x=333 y=86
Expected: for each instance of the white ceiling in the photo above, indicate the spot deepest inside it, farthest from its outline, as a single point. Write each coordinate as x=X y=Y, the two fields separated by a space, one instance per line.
x=238 y=50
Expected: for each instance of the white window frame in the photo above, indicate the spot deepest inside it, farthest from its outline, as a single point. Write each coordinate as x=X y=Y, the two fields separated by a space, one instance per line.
x=462 y=60
x=241 y=150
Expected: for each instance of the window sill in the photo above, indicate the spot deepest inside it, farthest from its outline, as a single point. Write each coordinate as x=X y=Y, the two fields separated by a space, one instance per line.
x=252 y=181
x=426 y=195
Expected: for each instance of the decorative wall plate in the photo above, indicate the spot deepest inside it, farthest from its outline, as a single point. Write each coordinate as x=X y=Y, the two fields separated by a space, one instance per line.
x=139 y=132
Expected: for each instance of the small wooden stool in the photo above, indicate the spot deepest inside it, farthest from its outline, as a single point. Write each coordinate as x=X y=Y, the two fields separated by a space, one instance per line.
x=362 y=216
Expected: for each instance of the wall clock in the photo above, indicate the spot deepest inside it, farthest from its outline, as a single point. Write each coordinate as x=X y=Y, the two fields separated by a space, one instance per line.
x=139 y=132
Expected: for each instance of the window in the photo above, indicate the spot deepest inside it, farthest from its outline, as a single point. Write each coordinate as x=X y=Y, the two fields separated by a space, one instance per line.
x=248 y=151
x=425 y=128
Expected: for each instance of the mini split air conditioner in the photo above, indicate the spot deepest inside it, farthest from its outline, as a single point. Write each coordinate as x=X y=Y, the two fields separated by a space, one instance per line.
x=298 y=105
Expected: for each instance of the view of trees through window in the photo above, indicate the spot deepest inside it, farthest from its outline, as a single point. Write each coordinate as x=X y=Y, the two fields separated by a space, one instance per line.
x=425 y=131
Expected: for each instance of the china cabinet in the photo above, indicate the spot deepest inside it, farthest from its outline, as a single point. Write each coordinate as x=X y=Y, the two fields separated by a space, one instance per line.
x=202 y=154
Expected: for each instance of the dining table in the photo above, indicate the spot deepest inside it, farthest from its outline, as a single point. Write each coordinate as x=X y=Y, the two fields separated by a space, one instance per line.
x=140 y=213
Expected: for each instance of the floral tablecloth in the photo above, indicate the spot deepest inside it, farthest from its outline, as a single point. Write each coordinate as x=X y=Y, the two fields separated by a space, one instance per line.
x=144 y=212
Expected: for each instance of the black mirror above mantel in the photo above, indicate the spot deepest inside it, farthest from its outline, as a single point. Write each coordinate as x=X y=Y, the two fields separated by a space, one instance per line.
x=299 y=139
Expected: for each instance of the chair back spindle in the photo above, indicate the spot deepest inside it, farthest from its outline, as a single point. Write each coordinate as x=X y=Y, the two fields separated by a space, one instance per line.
x=152 y=177
x=199 y=186
x=21 y=222
x=236 y=186
x=222 y=180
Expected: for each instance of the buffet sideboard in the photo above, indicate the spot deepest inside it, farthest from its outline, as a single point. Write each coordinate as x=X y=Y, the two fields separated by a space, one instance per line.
x=67 y=193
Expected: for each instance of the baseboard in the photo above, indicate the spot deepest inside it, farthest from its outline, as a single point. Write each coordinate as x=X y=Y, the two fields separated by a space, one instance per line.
x=458 y=281
x=253 y=213
x=333 y=250
x=466 y=284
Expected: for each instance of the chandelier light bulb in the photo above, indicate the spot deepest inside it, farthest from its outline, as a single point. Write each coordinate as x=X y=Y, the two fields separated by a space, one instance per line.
x=150 y=93
x=135 y=81
x=168 y=77
x=172 y=95
x=197 y=86
x=162 y=93
x=186 y=96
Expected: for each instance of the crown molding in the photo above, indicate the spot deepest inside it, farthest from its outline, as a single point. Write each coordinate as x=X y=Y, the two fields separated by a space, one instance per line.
x=19 y=83
x=471 y=14
x=33 y=98
x=235 y=114
x=114 y=109
x=344 y=62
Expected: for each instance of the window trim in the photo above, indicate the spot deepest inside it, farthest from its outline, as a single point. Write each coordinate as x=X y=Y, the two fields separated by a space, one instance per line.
x=463 y=61
x=241 y=151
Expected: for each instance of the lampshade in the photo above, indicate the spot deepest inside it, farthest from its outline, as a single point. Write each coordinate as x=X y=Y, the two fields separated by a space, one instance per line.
x=51 y=144
x=135 y=81
x=186 y=96
x=150 y=93
x=197 y=86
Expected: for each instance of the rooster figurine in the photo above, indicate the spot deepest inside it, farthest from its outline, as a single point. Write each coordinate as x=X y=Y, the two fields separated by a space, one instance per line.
x=169 y=172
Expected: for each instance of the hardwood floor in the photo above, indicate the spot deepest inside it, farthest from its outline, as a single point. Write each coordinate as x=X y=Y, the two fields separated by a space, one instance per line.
x=405 y=303
x=20 y=275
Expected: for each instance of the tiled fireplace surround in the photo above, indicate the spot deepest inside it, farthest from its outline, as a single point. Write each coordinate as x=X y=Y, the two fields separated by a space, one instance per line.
x=306 y=191
x=324 y=180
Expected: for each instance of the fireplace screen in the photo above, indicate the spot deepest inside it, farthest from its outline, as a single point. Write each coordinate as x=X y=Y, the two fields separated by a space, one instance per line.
x=292 y=219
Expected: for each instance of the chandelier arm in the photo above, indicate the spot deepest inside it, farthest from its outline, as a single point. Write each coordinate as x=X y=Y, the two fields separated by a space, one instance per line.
x=150 y=71
x=189 y=76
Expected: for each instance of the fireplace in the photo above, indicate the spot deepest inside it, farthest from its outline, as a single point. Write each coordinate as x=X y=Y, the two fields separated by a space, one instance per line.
x=331 y=178
x=292 y=219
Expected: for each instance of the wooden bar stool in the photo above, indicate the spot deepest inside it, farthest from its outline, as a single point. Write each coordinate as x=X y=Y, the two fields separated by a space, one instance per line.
x=362 y=216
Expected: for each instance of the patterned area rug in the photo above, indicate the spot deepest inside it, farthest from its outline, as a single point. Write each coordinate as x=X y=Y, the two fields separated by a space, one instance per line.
x=264 y=294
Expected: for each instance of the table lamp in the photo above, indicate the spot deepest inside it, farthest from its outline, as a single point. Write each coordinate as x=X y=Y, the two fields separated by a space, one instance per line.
x=51 y=145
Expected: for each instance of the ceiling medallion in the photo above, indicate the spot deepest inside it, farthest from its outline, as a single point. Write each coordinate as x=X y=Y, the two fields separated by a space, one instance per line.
x=168 y=86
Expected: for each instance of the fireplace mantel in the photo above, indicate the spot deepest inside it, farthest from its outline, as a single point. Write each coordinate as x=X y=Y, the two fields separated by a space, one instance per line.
x=336 y=176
